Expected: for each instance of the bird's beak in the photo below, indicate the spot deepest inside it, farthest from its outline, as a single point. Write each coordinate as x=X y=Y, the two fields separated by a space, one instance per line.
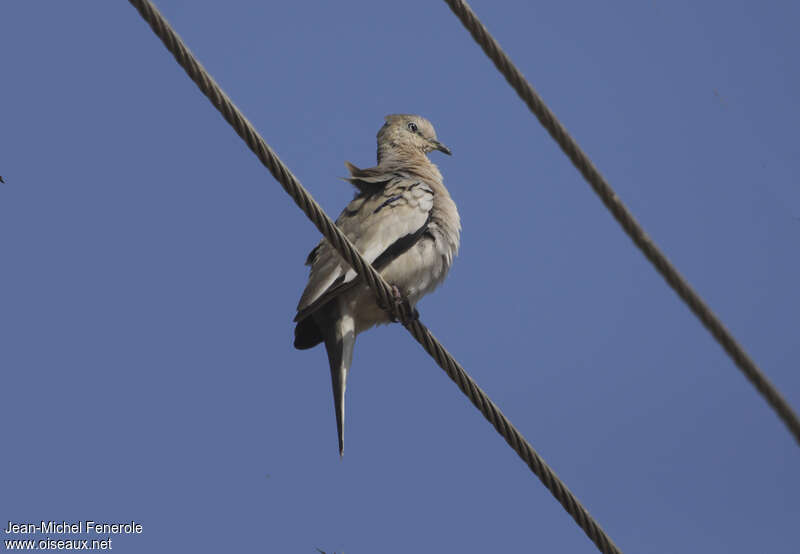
x=441 y=147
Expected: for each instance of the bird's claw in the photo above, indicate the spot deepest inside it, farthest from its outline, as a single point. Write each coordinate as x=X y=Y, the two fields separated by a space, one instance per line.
x=403 y=307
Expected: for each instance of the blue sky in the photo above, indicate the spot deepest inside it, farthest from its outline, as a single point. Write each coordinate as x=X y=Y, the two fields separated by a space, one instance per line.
x=151 y=269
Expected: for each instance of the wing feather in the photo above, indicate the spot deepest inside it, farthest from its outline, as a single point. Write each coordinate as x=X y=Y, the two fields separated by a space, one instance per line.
x=382 y=224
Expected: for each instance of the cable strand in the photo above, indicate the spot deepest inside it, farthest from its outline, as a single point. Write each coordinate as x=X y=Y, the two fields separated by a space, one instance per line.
x=624 y=217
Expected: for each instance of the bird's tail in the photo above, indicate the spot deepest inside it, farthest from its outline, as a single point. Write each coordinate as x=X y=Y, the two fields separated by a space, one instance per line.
x=339 y=341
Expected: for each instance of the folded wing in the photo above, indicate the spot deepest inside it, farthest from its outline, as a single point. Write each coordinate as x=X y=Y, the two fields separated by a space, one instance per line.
x=384 y=220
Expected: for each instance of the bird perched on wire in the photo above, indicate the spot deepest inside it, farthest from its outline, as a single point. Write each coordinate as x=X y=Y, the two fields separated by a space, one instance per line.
x=403 y=221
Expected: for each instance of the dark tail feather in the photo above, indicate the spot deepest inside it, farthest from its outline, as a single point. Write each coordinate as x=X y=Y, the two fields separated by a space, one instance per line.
x=307 y=334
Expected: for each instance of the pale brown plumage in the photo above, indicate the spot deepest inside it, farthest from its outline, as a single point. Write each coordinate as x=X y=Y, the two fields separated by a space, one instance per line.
x=403 y=222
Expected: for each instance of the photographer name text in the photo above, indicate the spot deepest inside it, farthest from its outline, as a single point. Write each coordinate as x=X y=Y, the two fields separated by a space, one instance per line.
x=74 y=528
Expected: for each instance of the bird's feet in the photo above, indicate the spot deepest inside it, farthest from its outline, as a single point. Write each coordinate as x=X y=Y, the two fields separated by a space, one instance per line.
x=403 y=307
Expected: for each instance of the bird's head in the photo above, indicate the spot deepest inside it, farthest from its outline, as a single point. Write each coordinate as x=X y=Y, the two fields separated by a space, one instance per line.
x=409 y=133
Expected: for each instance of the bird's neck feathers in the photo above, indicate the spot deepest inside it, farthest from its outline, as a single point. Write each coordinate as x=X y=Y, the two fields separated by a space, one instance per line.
x=408 y=158
x=400 y=153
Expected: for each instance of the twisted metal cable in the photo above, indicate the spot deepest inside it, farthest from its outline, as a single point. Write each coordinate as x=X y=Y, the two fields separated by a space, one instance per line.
x=624 y=217
x=514 y=438
x=419 y=331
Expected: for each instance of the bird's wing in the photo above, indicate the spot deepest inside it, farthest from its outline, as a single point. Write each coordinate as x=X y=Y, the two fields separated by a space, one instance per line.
x=382 y=224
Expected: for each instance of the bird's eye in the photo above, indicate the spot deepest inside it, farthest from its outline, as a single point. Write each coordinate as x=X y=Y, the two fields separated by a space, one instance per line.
x=412 y=126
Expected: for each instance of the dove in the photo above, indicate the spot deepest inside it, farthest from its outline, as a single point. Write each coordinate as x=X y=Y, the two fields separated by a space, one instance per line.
x=403 y=221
